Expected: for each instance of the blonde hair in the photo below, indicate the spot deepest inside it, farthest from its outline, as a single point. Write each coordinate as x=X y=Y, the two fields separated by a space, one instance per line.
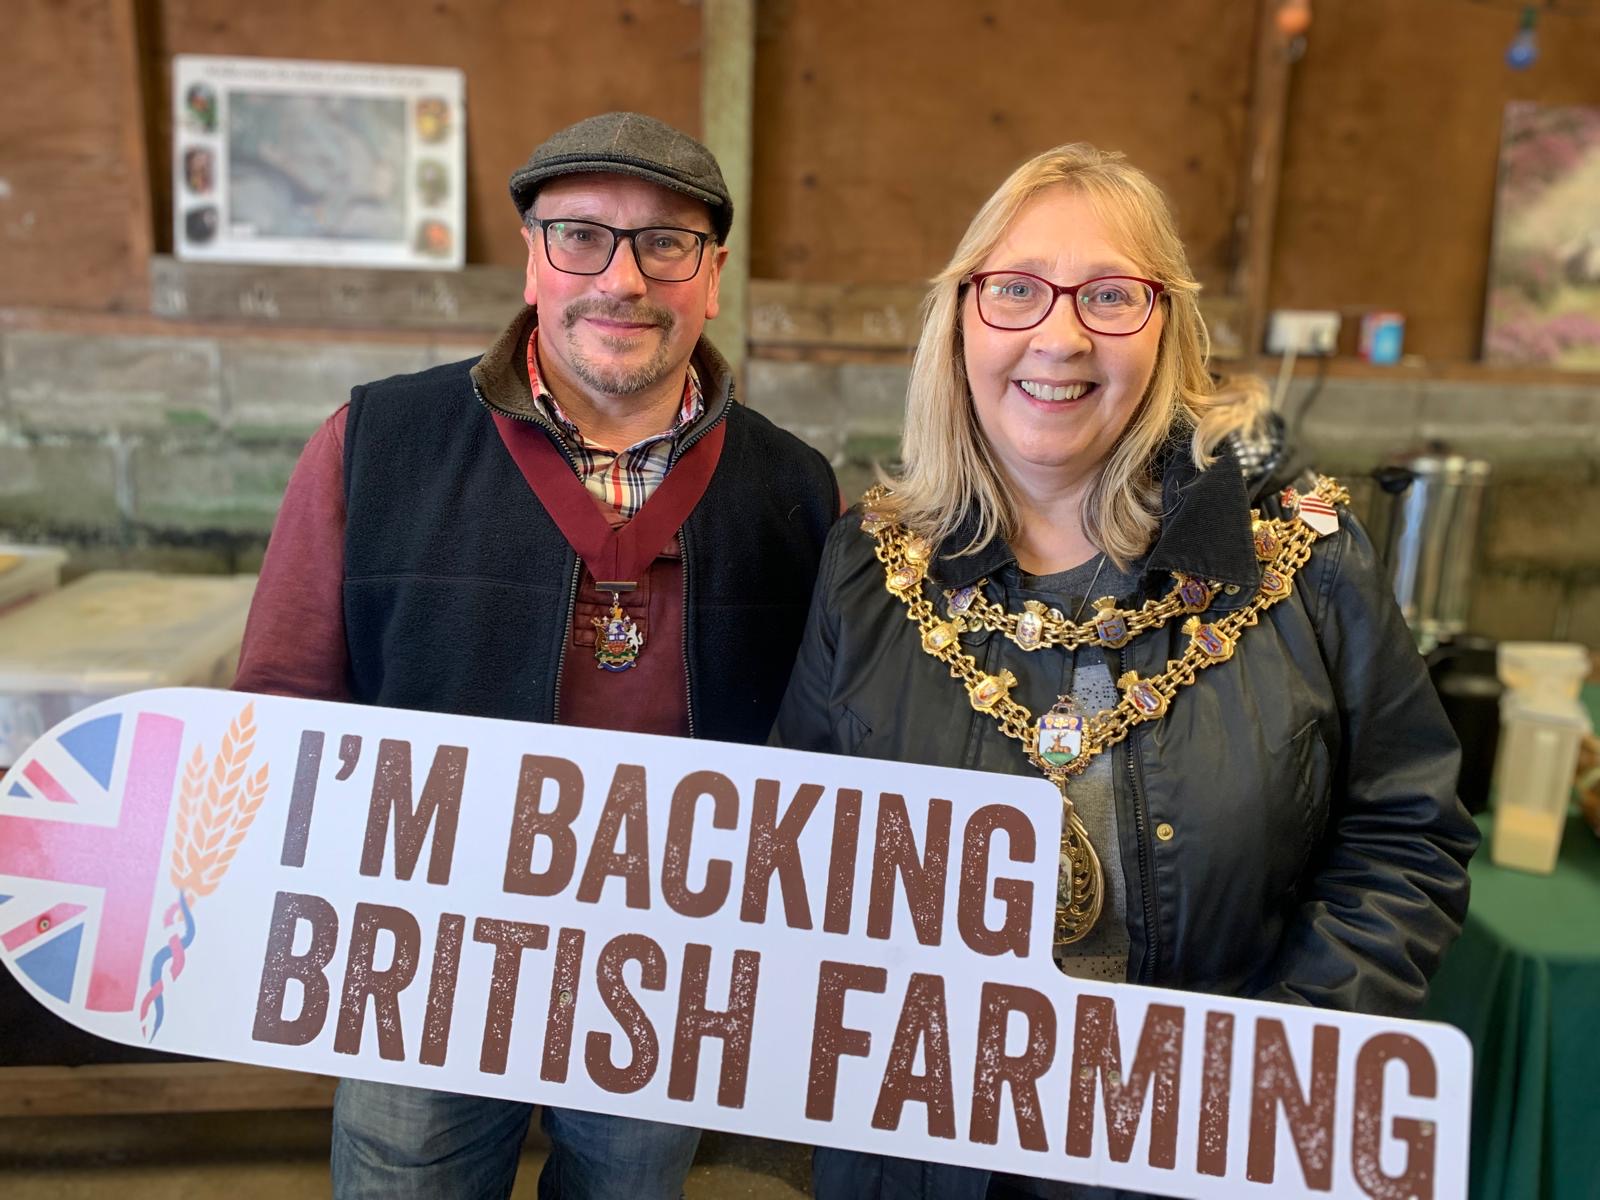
x=948 y=473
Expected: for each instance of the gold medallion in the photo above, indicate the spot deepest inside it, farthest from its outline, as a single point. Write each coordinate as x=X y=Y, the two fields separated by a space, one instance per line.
x=990 y=690
x=1143 y=695
x=1209 y=640
x=1080 y=892
x=905 y=579
x=1030 y=625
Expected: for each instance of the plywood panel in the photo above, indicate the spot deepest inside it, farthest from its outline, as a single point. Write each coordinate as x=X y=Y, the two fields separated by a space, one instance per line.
x=880 y=128
x=1389 y=170
x=74 y=215
x=530 y=69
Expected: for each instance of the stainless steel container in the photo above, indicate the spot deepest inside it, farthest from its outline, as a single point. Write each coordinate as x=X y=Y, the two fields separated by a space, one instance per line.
x=1433 y=537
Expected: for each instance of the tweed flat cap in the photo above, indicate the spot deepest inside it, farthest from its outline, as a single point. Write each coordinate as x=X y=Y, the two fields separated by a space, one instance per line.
x=628 y=143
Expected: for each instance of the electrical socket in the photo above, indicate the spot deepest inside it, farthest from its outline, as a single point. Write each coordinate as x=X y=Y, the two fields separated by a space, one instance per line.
x=1305 y=331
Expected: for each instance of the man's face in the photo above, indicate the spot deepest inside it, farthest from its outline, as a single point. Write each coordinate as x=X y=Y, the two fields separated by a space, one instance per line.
x=618 y=333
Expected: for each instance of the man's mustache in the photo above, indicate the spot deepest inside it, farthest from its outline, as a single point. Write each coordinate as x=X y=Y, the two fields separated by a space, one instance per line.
x=635 y=314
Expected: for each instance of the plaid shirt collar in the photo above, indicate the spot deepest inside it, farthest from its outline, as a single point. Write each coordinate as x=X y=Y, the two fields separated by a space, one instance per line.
x=620 y=479
x=689 y=411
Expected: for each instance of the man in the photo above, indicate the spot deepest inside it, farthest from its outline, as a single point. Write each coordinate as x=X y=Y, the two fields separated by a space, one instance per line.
x=449 y=542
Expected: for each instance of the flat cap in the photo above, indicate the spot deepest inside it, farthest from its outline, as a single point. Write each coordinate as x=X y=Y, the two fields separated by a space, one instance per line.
x=627 y=143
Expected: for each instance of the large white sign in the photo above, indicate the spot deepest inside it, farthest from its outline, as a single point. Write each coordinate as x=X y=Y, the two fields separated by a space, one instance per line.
x=840 y=951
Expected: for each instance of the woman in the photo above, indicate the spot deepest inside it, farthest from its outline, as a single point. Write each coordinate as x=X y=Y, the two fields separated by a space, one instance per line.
x=1072 y=575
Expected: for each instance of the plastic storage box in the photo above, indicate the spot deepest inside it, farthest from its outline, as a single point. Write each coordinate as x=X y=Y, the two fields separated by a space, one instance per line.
x=113 y=632
x=1545 y=670
x=28 y=571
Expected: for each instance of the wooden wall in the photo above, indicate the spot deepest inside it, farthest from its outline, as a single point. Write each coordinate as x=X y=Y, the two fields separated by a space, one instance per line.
x=1393 y=135
x=878 y=128
x=879 y=133
x=74 y=207
x=531 y=68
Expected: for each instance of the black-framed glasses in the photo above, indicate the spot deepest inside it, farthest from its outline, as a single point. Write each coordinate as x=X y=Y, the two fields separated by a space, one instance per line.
x=664 y=253
x=1114 y=305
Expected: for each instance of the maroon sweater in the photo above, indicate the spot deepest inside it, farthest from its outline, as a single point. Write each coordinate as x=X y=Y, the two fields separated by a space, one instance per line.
x=294 y=641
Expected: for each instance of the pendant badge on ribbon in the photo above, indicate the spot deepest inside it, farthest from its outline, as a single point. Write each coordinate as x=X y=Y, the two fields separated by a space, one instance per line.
x=617 y=638
x=617 y=558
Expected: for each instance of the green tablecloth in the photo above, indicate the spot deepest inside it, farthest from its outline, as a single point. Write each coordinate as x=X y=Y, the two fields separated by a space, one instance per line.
x=1524 y=984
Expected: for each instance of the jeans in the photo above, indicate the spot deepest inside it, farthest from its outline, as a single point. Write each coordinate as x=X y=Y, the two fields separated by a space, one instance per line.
x=853 y=1175
x=400 y=1143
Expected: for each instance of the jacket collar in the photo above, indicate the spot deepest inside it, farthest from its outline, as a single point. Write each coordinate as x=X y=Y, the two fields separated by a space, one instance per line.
x=501 y=376
x=1205 y=532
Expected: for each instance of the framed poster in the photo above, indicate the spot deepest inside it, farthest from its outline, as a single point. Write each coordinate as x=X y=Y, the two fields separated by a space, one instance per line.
x=1544 y=270
x=285 y=161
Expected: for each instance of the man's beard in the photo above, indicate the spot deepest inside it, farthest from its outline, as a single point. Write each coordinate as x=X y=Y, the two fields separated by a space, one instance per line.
x=605 y=377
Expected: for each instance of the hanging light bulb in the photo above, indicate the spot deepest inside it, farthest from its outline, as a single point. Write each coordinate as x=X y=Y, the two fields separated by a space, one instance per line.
x=1294 y=18
x=1524 y=49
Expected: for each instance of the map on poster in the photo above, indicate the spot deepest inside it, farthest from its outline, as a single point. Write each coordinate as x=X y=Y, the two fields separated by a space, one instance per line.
x=285 y=161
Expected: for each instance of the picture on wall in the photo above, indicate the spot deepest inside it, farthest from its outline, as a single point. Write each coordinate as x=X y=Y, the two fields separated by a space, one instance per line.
x=285 y=161
x=1544 y=270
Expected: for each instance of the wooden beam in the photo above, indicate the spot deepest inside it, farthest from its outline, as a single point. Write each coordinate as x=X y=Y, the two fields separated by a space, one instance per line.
x=727 y=97
x=133 y=201
x=1263 y=172
x=856 y=316
x=478 y=298
x=156 y=1088
x=324 y=302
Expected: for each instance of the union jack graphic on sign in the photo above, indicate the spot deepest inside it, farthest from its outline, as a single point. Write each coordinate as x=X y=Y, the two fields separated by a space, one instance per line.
x=83 y=821
x=83 y=840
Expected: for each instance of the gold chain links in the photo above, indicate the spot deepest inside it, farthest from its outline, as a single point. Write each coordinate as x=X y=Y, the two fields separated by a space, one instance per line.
x=1036 y=627
x=1284 y=545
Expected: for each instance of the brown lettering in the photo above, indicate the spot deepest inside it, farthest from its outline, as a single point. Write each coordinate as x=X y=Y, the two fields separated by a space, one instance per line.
x=775 y=847
x=563 y=1006
x=842 y=861
x=301 y=798
x=361 y=981
x=733 y=1025
x=509 y=939
x=622 y=818
x=529 y=824
x=830 y=1038
x=1097 y=1051
x=1310 y=1116
x=442 y=990
x=440 y=808
x=1015 y=895
x=895 y=854
x=996 y=1068
x=924 y=1023
x=641 y=1034
x=1216 y=1083
x=680 y=832
x=1415 y=1181
x=282 y=964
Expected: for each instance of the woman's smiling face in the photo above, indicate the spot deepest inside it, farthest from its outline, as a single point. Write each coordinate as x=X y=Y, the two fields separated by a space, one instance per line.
x=1053 y=400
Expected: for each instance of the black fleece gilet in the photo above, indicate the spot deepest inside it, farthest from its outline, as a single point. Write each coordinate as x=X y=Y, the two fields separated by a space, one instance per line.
x=458 y=585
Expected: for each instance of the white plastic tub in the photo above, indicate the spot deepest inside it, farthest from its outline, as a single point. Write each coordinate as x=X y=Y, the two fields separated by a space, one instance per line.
x=113 y=632
x=1545 y=669
x=1533 y=773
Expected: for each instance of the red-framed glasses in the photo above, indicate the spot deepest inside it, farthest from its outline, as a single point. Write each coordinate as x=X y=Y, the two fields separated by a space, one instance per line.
x=1113 y=305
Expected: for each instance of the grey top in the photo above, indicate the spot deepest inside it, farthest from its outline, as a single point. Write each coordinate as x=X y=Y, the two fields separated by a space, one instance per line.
x=1085 y=676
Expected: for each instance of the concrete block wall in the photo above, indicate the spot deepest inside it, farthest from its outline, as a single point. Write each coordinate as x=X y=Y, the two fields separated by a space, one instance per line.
x=169 y=451
x=173 y=451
